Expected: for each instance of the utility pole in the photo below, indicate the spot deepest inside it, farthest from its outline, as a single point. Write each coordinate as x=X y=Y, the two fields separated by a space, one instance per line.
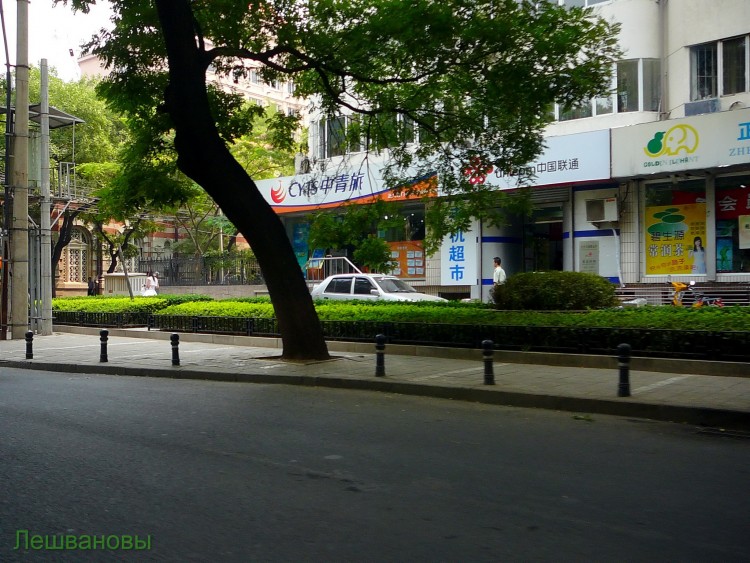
x=45 y=268
x=8 y=197
x=19 y=234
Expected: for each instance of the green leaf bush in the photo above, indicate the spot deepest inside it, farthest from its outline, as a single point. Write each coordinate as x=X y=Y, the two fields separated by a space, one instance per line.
x=122 y=304
x=224 y=308
x=651 y=317
x=554 y=291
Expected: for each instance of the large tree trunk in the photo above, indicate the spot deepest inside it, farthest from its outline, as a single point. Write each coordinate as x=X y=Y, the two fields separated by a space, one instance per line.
x=203 y=157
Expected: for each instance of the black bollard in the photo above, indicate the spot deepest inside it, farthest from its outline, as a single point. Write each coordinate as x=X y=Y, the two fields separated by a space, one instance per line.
x=380 y=355
x=623 y=362
x=175 y=339
x=103 y=337
x=29 y=337
x=488 y=350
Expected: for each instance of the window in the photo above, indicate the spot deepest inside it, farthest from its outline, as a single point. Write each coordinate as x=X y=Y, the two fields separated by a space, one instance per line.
x=339 y=285
x=627 y=86
x=336 y=136
x=719 y=69
x=581 y=3
x=362 y=286
x=732 y=224
x=651 y=85
x=343 y=134
x=704 y=72
x=603 y=106
x=734 y=65
x=636 y=87
x=576 y=112
x=410 y=227
x=319 y=141
x=77 y=263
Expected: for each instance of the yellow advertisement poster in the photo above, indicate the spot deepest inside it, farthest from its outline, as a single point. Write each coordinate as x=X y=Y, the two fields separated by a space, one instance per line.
x=675 y=237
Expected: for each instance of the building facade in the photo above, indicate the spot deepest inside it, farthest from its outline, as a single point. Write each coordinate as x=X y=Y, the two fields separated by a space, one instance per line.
x=648 y=182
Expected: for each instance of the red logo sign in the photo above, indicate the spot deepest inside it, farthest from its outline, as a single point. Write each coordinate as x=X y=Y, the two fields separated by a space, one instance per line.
x=278 y=194
x=477 y=171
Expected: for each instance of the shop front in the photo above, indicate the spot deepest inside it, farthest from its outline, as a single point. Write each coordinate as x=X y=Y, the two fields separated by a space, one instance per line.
x=546 y=240
x=693 y=180
x=543 y=241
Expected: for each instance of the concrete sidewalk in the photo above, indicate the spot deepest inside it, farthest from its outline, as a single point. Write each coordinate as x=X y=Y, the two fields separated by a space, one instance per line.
x=680 y=395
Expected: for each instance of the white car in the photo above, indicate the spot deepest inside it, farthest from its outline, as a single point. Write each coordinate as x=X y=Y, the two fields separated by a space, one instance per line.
x=368 y=287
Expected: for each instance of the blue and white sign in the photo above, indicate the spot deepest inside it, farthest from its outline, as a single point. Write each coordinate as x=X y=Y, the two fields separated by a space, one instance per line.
x=459 y=263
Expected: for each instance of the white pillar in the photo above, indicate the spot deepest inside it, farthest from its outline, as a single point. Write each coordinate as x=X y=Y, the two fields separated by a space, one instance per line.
x=46 y=252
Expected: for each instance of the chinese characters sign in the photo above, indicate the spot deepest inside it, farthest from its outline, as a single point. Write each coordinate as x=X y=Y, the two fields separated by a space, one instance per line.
x=566 y=158
x=675 y=235
x=458 y=259
x=588 y=256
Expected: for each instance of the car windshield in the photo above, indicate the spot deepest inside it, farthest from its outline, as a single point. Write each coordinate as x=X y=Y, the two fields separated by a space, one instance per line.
x=395 y=285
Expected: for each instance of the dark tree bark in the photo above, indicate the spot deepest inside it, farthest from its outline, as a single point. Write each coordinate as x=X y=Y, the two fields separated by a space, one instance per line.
x=203 y=156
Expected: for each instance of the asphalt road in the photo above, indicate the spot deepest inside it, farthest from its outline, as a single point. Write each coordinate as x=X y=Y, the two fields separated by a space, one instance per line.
x=241 y=472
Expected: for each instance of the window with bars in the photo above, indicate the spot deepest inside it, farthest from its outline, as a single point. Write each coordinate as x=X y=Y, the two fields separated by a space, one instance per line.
x=704 y=72
x=720 y=68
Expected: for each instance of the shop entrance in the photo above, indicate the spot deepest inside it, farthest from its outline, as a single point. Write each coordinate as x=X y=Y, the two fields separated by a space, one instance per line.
x=543 y=240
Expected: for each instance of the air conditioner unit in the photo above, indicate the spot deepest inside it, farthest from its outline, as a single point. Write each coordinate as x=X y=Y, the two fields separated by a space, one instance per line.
x=711 y=105
x=601 y=210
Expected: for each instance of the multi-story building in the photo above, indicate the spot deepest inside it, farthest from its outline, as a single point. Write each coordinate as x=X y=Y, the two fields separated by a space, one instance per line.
x=648 y=182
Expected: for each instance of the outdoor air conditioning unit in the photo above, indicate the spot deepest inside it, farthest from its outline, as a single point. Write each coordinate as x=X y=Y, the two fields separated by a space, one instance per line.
x=601 y=210
x=711 y=105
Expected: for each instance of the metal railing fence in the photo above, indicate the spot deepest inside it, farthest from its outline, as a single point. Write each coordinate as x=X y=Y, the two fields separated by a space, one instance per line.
x=207 y=270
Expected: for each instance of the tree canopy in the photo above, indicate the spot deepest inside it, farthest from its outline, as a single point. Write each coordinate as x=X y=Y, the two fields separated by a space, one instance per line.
x=475 y=78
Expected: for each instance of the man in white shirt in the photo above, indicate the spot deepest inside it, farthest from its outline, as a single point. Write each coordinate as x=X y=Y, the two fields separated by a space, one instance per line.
x=499 y=275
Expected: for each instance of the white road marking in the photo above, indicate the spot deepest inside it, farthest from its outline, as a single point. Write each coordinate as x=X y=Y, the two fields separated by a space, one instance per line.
x=442 y=373
x=662 y=383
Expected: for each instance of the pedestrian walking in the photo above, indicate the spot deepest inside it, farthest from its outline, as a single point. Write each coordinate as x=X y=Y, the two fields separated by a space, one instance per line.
x=498 y=276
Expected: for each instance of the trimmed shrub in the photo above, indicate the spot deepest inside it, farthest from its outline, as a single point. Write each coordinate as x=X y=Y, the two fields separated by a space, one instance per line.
x=555 y=291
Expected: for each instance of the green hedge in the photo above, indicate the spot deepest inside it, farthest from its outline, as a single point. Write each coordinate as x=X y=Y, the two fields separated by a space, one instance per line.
x=664 y=317
x=122 y=304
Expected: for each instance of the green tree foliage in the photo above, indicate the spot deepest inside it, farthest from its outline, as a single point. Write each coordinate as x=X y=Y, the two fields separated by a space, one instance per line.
x=103 y=131
x=474 y=77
